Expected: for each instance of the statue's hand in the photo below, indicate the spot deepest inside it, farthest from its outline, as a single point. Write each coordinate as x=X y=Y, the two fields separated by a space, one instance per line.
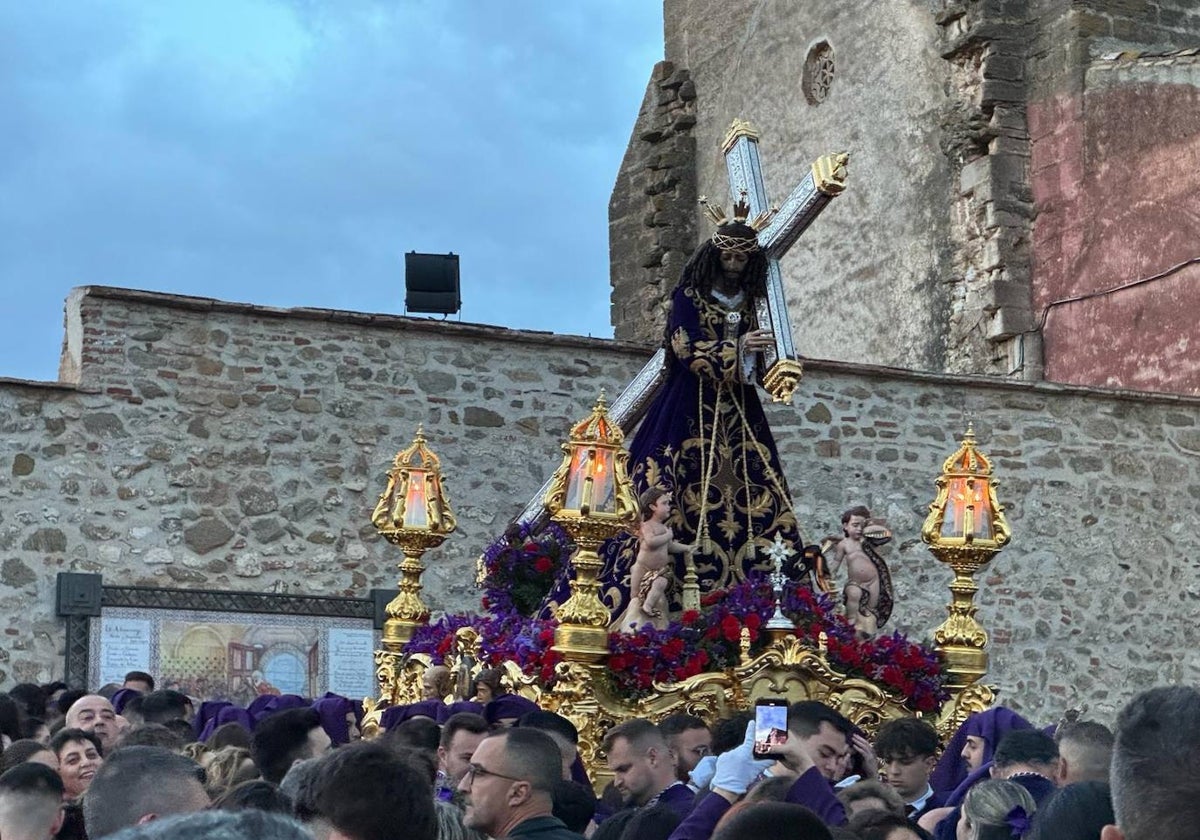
x=757 y=340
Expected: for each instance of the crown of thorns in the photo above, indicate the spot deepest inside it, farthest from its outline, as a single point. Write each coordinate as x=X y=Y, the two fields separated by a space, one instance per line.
x=741 y=213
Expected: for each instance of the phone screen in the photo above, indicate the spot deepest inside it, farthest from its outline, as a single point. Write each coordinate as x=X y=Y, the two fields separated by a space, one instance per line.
x=770 y=728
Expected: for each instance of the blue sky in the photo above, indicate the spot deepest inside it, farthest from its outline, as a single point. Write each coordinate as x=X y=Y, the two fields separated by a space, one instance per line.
x=289 y=152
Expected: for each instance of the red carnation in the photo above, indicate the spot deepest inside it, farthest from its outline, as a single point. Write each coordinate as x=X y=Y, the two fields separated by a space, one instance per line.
x=730 y=628
x=689 y=617
x=543 y=564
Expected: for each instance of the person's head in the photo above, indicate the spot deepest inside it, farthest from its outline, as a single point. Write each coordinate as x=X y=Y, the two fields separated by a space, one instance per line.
x=138 y=784
x=771 y=789
x=1025 y=751
x=227 y=768
x=139 y=681
x=995 y=809
x=151 y=735
x=655 y=500
x=219 y=825
x=640 y=760
x=870 y=795
x=27 y=749
x=729 y=732
x=338 y=718
x=437 y=683
x=166 y=705
x=573 y=803
x=229 y=735
x=93 y=713
x=418 y=733
x=460 y=736
x=365 y=791
x=131 y=710
x=824 y=733
x=977 y=739
x=907 y=749
x=561 y=731
x=79 y=757
x=1084 y=752
x=654 y=823
x=450 y=822
x=35 y=729
x=256 y=794
x=777 y=820
x=1154 y=766
x=298 y=786
x=1076 y=812
x=883 y=825
x=66 y=699
x=854 y=521
x=10 y=719
x=487 y=686
x=689 y=739
x=30 y=699
x=31 y=797
x=511 y=779
x=286 y=737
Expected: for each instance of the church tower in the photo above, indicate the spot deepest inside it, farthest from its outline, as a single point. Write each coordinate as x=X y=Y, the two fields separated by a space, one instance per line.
x=1023 y=193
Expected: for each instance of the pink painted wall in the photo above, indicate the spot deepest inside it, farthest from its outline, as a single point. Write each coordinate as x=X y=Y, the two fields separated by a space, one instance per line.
x=1116 y=181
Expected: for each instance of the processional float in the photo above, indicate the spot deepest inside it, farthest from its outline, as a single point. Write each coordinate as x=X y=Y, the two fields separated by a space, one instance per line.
x=590 y=497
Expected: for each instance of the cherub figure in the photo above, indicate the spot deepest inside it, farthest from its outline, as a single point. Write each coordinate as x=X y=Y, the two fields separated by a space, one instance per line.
x=650 y=577
x=867 y=594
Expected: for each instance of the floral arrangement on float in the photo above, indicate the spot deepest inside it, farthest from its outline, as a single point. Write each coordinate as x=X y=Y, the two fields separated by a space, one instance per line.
x=518 y=571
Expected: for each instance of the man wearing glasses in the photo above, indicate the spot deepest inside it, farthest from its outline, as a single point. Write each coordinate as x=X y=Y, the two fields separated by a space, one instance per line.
x=508 y=783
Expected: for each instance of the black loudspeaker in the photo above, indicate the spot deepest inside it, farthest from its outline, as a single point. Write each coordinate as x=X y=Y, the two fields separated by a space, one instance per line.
x=79 y=594
x=431 y=283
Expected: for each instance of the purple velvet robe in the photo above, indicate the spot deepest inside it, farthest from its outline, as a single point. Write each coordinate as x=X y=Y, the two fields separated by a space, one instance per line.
x=705 y=438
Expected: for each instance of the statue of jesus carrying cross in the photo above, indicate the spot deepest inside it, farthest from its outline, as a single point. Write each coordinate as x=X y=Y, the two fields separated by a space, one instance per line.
x=704 y=436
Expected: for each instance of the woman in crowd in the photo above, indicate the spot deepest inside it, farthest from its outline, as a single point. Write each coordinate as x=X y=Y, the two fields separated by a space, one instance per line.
x=79 y=757
x=996 y=810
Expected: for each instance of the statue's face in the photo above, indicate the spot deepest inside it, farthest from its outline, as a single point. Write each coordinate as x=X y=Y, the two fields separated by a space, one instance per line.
x=855 y=526
x=733 y=263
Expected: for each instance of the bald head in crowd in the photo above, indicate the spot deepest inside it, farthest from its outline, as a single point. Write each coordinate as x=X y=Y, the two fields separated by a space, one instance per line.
x=31 y=802
x=94 y=713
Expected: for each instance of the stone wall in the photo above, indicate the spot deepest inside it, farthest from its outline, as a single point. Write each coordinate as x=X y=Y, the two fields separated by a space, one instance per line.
x=213 y=445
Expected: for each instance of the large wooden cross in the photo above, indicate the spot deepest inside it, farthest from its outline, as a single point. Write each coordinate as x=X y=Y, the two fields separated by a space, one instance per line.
x=781 y=366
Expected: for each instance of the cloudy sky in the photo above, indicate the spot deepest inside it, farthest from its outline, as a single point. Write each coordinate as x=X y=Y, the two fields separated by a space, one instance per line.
x=289 y=152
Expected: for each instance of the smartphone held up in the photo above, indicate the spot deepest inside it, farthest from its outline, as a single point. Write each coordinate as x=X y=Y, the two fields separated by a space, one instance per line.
x=770 y=726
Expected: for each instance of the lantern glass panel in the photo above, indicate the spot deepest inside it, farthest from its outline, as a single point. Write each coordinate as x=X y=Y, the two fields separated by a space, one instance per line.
x=416 y=508
x=575 y=480
x=604 y=498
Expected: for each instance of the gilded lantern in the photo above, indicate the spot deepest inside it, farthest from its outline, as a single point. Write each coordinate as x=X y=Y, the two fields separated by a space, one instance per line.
x=591 y=498
x=413 y=513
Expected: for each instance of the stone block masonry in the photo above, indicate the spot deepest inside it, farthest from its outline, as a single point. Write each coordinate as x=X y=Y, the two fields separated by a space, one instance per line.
x=203 y=444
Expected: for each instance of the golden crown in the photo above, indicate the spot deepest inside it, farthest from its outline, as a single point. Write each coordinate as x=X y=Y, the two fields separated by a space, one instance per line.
x=741 y=213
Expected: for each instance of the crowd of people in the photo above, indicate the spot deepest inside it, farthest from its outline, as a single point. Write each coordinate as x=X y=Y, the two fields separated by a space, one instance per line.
x=131 y=762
